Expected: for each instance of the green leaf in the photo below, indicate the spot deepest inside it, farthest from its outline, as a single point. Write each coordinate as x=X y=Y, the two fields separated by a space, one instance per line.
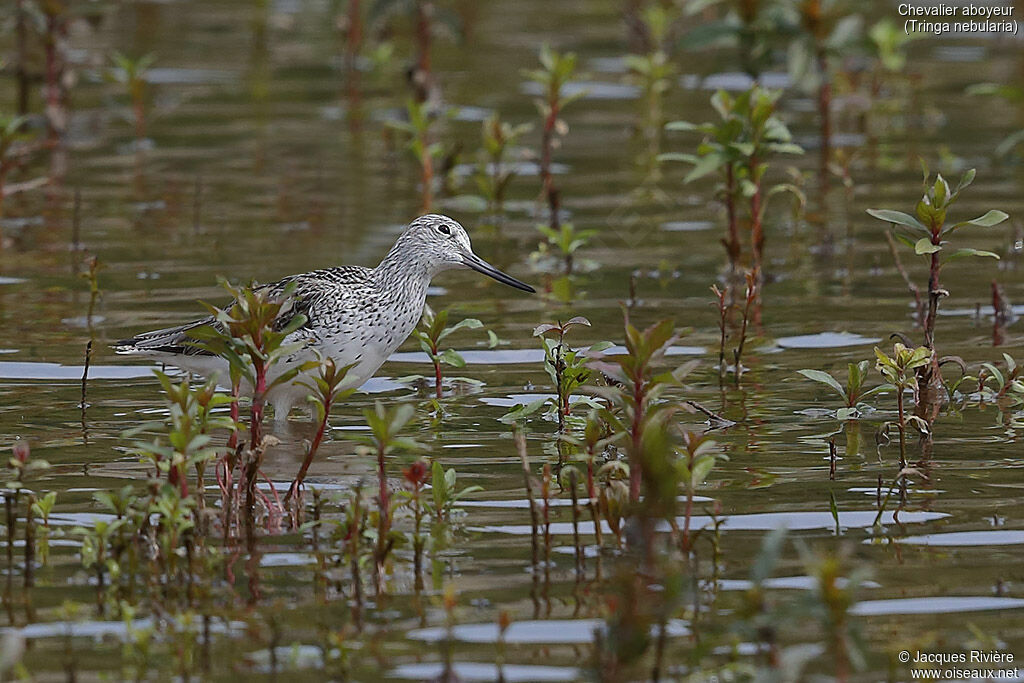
x=992 y=217
x=897 y=217
x=453 y=358
x=925 y=246
x=961 y=253
x=680 y=125
x=903 y=239
x=702 y=468
x=824 y=378
x=705 y=165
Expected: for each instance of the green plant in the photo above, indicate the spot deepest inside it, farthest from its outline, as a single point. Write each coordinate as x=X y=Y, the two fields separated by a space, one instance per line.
x=95 y=556
x=567 y=368
x=189 y=442
x=326 y=389
x=384 y=440
x=698 y=457
x=562 y=243
x=493 y=174
x=825 y=32
x=16 y=148
x=416 y=476
x=433 y=330
x=854 y=393
x=899 y=370
x=42 y=508
x=830 y=604
x=653 y=71
x=557 y=69
x=132 y=74
x=889 y=43
x=638 y=410
x=737 y=148
x=444 y=491
x=927 y=233
x=998 y=386
x=250 y=334
x=426 y=151
x=752 y=27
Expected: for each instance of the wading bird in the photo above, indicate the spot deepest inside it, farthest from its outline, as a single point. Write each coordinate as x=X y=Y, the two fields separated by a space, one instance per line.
x=354 y=315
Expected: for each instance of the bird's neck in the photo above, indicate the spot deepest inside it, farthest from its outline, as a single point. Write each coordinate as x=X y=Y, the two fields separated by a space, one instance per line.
x=402 y=275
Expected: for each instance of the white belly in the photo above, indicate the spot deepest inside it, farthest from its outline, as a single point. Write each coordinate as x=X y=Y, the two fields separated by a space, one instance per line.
x=365 y=350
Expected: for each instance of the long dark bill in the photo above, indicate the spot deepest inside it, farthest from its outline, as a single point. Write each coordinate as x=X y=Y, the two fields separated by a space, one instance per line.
x=479 y=265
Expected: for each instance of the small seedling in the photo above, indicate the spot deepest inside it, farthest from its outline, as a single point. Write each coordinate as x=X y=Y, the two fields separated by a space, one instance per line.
x=131 y=73
x=927 y=233
x=561 y=245
x=427 y=152
x=16 y=149
x=653 y=72
x=826 y=31
x=697 y=459
x=493 y=173
x=567 y=368
x=326 y=389
x=42 y=508
x=854 y=393
x=900 y=371
x=557 y=69
x=996 y=385
x=384 y=440
x=752 y=26
x=445 y=493
x=737 y=148
x=432 y=331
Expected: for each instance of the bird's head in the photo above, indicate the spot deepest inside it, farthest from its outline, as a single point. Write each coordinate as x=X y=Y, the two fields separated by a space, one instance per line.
x=443 y=244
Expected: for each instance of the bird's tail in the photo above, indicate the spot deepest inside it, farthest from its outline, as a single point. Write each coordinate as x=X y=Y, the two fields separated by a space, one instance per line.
x=173 y=340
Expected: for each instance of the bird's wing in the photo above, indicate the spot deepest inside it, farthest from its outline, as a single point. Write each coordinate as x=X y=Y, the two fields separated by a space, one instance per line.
x=310 y=293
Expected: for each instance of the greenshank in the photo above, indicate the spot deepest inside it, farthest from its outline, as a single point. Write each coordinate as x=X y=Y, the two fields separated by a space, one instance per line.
x=354 y=315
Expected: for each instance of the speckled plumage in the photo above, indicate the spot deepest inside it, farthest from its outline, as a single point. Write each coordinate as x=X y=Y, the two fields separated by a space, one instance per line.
x=356 y=316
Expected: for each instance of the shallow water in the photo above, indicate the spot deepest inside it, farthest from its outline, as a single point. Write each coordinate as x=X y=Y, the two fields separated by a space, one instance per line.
x=253 y=106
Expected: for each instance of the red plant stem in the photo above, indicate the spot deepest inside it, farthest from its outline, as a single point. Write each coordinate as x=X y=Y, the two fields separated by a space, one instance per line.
x=176 y=477
x=417 y=542
x=255 y=436
x=384 y=494
x=139 y=108
x=21 y=71
x=223 y=479
x=825 y=114
x=52 y=77
x=547 y=138
x=592 y=494
x=756 y=229
x=310 y=454
x=354 y=38
x=902 y=426
x=723 y=312
x=732 y=246
x=384 y=515
x=233 y=438
x=423 y=12
x=933 y=295
x=635 y=432
x=437 y=372
x=275 y=511
x=688 y=513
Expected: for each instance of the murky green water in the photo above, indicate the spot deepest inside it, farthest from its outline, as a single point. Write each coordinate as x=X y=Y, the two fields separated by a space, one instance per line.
x=249 y=106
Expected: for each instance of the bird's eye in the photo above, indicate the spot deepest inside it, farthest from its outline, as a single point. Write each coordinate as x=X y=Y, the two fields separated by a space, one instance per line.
x=444 y=229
